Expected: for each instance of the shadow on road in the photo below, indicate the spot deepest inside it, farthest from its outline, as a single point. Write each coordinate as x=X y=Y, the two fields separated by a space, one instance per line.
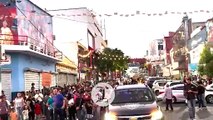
x=203 y=114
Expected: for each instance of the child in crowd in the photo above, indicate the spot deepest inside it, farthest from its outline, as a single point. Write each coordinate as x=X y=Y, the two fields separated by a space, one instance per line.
x=25 y=113
x=37 y=110
x=13 y=114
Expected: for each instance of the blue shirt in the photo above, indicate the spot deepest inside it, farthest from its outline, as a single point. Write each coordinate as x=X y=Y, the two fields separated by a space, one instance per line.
x=58 y=100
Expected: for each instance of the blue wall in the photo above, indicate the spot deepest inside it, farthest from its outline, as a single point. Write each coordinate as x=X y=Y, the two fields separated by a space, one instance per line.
x=21 y=62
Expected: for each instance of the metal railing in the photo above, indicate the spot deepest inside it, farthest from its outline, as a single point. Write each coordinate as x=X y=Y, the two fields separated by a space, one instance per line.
x=46 y=48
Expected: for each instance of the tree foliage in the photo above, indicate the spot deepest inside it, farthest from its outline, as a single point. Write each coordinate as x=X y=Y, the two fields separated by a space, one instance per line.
x=206 y=62
x=111 y=60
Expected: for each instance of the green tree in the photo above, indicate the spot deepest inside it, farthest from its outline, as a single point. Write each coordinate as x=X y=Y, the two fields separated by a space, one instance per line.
x=111 y=60
x=206 y=62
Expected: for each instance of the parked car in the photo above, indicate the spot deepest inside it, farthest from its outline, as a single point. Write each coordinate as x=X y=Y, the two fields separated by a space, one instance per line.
x=174 y=82
x=133 y=102
x=158 y=86
x=178 y=95
x=151 y=80
x=209 y=93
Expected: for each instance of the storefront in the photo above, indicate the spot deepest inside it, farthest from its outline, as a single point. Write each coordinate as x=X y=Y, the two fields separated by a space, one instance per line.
x=67 y=72
x=24 y=70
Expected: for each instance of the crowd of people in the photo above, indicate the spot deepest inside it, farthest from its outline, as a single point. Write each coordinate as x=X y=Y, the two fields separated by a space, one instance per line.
x=194 y=90
x=72 y=102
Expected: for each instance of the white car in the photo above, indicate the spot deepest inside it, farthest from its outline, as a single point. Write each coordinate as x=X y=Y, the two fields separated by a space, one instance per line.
x=158 y=86
x=178 y=95
x=209 y=93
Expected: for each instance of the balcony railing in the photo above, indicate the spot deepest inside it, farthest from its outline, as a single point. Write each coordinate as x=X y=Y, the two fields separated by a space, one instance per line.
x=44 y=48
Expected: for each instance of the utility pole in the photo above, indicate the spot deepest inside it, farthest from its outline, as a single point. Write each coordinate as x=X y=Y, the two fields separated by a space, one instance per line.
x=187 y=37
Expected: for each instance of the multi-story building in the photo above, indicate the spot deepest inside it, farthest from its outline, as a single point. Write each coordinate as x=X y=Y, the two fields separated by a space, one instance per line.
x=156 y=56
x=195 y=47
x=79 y=25
x=180 y=47
x=167 y=57
x=27 y=51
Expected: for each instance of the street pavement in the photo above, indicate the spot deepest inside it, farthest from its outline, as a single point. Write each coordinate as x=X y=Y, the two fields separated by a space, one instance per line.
x=181 y=112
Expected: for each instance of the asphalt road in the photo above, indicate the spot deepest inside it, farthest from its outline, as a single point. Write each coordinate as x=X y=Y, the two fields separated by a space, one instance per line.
x=181 y=112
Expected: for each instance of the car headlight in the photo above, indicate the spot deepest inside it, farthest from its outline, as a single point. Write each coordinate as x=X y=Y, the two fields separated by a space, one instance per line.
x=157 y=115
x=110 y=116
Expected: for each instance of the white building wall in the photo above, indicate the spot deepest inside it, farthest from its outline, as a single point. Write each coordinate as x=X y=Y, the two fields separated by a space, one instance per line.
x=195 y=53
x=72 y=26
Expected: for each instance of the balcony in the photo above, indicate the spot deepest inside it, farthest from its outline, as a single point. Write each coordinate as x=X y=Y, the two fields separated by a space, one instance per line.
x=28 y=45
x=179 y=56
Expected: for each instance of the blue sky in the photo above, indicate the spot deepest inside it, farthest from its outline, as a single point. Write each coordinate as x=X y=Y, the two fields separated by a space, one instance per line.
x=133 y=34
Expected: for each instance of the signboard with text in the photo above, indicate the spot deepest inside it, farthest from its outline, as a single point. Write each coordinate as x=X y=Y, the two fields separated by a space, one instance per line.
x=46 y=79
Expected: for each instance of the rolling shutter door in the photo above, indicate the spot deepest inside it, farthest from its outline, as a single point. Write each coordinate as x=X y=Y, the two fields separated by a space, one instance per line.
x=32 y=77
x=62 y=79
x=6 y=84
x=71 y=79
x=53 y=83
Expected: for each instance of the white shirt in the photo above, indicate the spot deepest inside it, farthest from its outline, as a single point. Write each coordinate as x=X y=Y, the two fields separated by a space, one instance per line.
x=39 y=97
x=168 y=93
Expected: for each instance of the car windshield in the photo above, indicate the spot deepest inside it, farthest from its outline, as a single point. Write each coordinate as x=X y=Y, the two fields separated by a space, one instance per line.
x=133 y=96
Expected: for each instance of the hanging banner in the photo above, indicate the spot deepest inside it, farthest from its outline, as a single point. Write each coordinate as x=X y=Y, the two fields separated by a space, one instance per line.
x=46 y=79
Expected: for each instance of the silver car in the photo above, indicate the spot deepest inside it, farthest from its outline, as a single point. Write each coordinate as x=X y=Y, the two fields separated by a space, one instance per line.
x=178 y=94
x=133 y=102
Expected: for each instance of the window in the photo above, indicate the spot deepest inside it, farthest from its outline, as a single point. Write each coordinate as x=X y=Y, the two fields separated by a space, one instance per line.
x=133 y=95
x=178 y=88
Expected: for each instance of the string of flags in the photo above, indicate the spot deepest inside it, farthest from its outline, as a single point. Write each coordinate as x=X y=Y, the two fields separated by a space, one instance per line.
x=137 y=13
x=68 y=13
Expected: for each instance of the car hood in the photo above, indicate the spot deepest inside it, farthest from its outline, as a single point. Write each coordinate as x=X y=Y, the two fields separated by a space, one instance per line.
x=132 y=109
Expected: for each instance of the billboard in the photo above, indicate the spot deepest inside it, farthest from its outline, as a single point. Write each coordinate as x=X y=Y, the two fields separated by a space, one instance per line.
x=8 y=23
x=36 y=24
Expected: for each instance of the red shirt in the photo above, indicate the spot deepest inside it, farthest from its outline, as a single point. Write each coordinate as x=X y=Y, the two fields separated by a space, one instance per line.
x=37 y=109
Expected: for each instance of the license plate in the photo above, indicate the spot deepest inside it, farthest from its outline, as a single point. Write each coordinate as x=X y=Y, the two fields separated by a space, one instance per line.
x=133 y=118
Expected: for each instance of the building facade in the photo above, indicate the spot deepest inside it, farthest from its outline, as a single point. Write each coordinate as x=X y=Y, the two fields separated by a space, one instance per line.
x=180 y=44
x=195 y=47
x=27 y=51
x=67 y=72
x=80 y=26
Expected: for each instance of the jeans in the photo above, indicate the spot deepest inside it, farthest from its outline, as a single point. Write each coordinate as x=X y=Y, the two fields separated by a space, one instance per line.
x=81 y=114
x=19 y=113
x=58 y=112
x=201 y=100
x=169 y=103
x=191 y=105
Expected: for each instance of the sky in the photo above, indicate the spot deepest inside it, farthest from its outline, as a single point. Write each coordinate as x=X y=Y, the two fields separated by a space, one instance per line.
x=133 y=34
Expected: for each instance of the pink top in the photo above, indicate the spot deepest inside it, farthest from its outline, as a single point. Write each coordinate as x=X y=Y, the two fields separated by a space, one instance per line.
x=168 y=93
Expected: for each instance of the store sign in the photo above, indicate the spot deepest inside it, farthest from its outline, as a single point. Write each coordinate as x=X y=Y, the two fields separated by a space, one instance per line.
x=46 y=79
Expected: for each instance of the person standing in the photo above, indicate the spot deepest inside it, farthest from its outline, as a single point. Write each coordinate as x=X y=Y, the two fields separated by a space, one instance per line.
x=59 y=105
x=19 y=104
x=49 y=104
x=190 y=92
x=201 y=96
x=3 y=109
x=168 y=98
